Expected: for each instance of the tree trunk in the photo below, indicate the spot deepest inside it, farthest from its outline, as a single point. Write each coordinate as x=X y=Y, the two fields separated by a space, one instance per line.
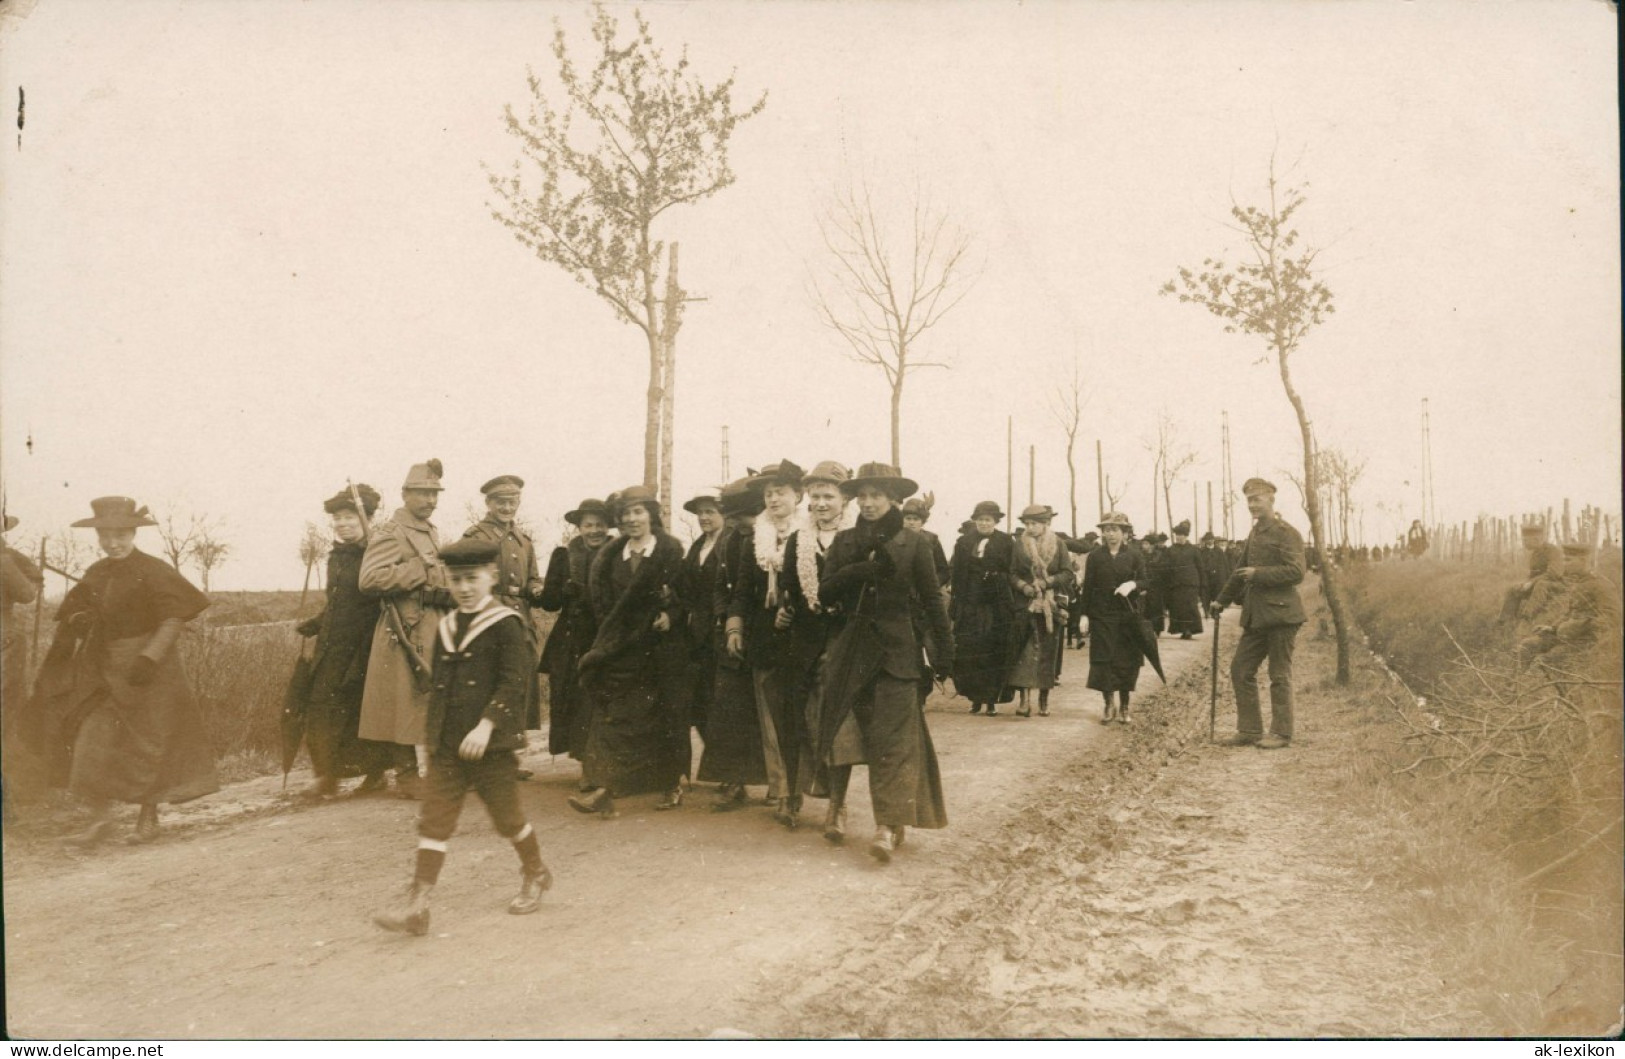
x=1311 y=489
x=673 y=319
x=651 y=330
x=1072 y=480
x=896 y=422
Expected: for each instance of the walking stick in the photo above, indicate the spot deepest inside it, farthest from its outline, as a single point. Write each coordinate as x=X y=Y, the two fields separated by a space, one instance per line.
x=1213 y=695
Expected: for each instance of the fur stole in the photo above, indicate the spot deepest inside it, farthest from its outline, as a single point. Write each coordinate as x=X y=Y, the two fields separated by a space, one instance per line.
x=769 y=548
x=807 y=552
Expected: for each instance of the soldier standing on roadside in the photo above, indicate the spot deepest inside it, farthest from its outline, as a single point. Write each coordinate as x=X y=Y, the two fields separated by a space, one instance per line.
x=402 y=564
x=1272 y=566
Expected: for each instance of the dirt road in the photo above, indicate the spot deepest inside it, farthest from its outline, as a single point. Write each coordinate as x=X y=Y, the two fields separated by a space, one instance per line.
x=1068 y=897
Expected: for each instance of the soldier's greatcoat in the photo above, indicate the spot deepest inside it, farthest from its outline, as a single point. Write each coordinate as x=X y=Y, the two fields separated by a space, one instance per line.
x=401 y=562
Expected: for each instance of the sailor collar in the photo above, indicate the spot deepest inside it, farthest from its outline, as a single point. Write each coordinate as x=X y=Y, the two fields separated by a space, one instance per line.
x=489 y=614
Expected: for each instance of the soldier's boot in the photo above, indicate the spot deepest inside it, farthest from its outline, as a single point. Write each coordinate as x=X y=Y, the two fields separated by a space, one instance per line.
x=410 y=912
x=534 y=878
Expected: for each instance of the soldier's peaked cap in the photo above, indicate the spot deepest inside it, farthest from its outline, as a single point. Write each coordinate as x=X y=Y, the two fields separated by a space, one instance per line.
x=470 y=551
x=503 y=485
x=1257 y=485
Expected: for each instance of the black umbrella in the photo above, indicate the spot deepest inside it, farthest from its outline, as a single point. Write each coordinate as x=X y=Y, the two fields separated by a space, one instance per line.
x=1148 y=643
x=294 y=703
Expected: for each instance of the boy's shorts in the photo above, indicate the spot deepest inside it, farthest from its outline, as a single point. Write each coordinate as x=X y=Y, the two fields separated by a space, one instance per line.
x=493 y=777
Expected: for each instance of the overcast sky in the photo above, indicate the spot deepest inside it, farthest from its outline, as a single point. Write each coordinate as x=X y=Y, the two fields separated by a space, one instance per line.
x=246 y=252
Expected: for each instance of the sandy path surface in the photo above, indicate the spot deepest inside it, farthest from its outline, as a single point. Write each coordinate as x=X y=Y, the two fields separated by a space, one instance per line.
x=251 y=918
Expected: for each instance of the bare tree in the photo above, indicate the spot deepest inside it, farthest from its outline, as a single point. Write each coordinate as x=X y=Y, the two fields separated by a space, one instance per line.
x=207 y=552
x=1274 y=294
x=177 y=533
x=633 y=137
x=312 y=548
x=1114 y=497
x=1172 y=456
x=881 y=297
x=1067 y=401
x=67 y=553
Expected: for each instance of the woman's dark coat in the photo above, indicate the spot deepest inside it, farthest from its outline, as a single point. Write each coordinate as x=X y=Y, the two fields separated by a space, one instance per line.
x=697 y=589
x=102 y=736
x=1186 y=586
x=635 y=675
x=564 y=592
x=882 y=576
x=343 y=632
x=983 y=610
x=1115 y=654
x=733 y=732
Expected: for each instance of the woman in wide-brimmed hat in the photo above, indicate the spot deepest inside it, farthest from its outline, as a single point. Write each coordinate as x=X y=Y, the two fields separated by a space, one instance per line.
x=564 y=592
x=1042 y=578
x=814 y=623
x=113 y=712
x=1113 y=578
x=983 y=609
x=758 y=631
x=875 y=573
x=338 y=666
x=733 y=732
x=635 y=672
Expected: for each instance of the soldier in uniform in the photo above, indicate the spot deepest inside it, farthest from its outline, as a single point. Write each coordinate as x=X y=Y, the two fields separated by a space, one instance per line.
x=1588 y=613
x=1527 y=603
x=1272 y=566
x=1186 y=584
x=519 y=582
x=402 y=565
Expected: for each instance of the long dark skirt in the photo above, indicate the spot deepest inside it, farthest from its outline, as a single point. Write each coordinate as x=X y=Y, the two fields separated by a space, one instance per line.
x=1184 y=610
x=1035 y=662
x=1115 y=656
x=106 y=739
x=336 y=751
x=568 y=712
x=733 y=733
x=629 y=745
x=905 y=784
x=982 y=637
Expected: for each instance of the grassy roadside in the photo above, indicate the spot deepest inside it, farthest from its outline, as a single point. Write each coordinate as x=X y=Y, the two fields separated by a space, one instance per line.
x=1479 y=954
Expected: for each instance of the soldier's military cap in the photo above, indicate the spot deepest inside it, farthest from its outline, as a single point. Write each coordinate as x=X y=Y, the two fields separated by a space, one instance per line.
x=425 y=475
x=503 y=485
x=470 y=551
x=1256 y=485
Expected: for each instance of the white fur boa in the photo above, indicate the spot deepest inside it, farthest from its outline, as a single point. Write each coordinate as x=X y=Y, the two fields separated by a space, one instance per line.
x=770 y=553
x=807 y=554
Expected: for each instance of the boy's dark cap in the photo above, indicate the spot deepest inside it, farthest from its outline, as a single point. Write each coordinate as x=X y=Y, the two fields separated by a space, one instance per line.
x=470 y=551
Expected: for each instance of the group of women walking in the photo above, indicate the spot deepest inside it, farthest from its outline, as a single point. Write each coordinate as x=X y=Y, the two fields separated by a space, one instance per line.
x=799 y=634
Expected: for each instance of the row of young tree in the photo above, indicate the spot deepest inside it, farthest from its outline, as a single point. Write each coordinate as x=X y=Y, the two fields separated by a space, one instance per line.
x=611 y=149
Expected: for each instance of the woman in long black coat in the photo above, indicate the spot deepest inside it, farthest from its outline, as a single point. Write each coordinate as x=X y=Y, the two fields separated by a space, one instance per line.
x=983 y=609
x=564 y=592
x=338 y=673
x=698 y=586
x=635 y=672
x=113 y=713
x=733 y=732
x=1113 y=578
x=879 y=573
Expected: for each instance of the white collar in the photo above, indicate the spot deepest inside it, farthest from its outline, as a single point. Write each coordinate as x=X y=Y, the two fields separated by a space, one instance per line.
x=642 y=550
x=488 y=615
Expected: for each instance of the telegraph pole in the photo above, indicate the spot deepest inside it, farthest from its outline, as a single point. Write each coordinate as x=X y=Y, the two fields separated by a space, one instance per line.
x=1100 y=480
x=1228 y=485
x=726 y=477
x=1430 y=506
x=1009 y=468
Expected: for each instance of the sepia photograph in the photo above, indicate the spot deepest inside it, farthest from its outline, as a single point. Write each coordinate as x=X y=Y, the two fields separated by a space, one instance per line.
x=691 y=520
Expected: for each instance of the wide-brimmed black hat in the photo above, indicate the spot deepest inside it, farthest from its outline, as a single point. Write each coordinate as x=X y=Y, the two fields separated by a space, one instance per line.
x=703 y=500
x=988 y=509
x=738 y=498
x=116 y=512
x=782 y=473
x=883 y=475
x=343 y=501
x=589 y=506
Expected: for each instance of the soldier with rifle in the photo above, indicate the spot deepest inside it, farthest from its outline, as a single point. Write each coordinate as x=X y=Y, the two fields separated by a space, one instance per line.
x=402 y=566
